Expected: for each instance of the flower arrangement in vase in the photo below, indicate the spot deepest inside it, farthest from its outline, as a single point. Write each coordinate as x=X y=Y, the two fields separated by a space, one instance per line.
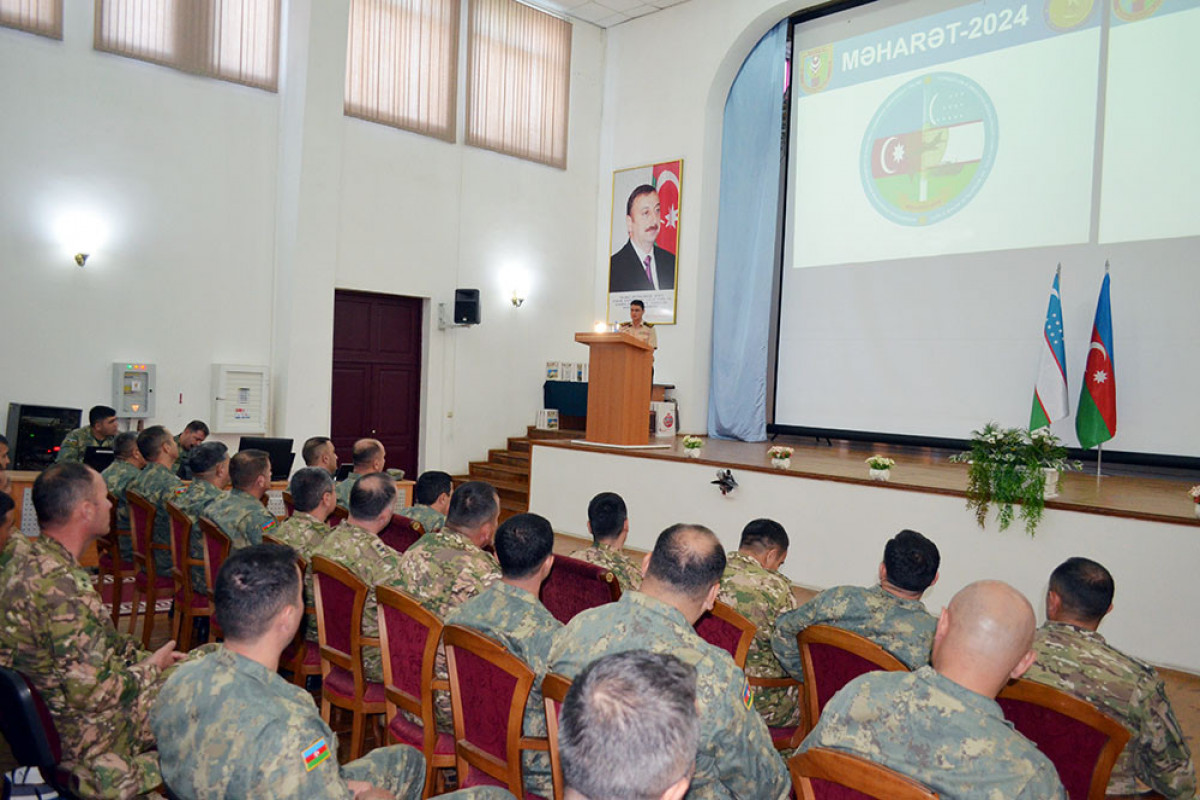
x=880 y=467
x=692 y=446
x=1194 y=492
x=781 y=456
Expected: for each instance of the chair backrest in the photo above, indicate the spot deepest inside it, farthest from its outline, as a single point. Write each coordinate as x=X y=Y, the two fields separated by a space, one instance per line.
x=288 y=504
x=821 y=774
x=488 y=690
x=408 y=638
x=141 y=525
x=728 y=630
x=336 y=516
x=26 y=723
x=110 y=541
x=340 y=598
x=831 y=658
x=1081 y=741
x=575 y=585
x=217 y=545
x=401 y=533
x=181 y=536
x=554 y=692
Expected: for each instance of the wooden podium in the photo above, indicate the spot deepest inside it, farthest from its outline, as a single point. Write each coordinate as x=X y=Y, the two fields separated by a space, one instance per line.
x=619 y=370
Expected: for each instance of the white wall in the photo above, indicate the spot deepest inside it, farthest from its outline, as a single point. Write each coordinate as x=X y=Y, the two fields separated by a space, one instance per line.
x=233 y=215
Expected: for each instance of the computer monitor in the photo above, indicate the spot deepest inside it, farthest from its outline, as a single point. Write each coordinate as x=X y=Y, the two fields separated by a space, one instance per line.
x=98 y=458
x=280 y=451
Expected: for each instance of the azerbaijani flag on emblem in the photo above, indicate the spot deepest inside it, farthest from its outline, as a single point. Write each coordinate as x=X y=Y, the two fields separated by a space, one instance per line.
x=1050 y=402
x=1096 y=421
x=317 y=753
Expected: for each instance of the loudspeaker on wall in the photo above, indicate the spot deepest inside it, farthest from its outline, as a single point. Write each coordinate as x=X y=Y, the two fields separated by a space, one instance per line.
x=466 y=306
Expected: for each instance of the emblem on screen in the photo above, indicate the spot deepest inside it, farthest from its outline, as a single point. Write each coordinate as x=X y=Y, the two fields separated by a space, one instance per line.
x=816 y=68
x=929 y=148
x=1133 y=10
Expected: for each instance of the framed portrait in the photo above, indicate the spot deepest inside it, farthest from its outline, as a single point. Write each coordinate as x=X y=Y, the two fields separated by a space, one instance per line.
x=644 y=241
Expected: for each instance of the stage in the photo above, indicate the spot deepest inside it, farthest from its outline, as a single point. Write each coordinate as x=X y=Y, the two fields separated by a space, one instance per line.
x=1141 y=527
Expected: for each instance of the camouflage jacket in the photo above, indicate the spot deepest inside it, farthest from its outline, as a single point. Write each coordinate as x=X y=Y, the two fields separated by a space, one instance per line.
x=761 y=595
x=303 y=533
x=736 y=758
x=627 y=571
x=1081 y=663
x=342 y=489
x=157 y=484
x=373 y=563
x=947 y=737
x=55 y=629
x=76 y=443
x=242 y=517
x=902 y=627
x=229 y=727
x=444 y=569
x=519 y=621
x=430 y=519
x=117 y=477
x=193 y=501
x=183 y=462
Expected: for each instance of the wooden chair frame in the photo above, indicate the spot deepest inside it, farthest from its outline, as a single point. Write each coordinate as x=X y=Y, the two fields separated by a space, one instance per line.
x=845 y=640
x=1038 y=694
x=400 y=700
x=853 y=772
x=111 y=544
x=336 y=516
x=331 y=657
x=145 y=560
x=217 y=546
x=467 y=755
x=298 y=665
x=288 y=503
x=554 y=693
x=181 y=571
x=728 y=615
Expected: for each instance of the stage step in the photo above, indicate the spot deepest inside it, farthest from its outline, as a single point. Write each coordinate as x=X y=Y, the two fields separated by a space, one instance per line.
x=518 y=444
x=517 y=492
x=491 y=471
x=508 y=469
x=537 y=433
x=509 y=457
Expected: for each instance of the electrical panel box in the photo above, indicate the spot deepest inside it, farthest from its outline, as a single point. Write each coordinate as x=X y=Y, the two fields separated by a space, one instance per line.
x=241 y=398
x=133 y=389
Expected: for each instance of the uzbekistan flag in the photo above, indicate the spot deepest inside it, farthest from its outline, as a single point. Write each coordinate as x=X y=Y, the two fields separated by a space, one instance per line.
x=1050 y=402
x=1096 y=421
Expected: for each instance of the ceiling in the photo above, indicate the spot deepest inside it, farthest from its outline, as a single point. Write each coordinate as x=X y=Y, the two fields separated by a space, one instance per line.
x=605 y=13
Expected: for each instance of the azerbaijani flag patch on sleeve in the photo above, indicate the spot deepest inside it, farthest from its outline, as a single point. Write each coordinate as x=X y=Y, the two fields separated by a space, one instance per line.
x=270 y=525
x=317 y=752
x=180 y=489
x=747 y=695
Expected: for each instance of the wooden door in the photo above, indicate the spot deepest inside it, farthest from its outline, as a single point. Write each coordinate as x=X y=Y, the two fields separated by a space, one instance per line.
x=377 y=375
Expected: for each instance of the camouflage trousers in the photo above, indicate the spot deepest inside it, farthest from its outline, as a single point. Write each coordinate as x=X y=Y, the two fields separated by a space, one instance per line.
x=779 y=707
x=116 y=759
x=399 y=769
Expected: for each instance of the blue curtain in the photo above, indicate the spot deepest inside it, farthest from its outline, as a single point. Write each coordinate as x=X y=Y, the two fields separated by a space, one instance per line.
x=749 y=205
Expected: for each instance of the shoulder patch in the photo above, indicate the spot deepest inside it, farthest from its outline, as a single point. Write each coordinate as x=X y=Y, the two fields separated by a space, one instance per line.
x=271 y=524
x=180 y=489
x=315 y=754
x=747 y=695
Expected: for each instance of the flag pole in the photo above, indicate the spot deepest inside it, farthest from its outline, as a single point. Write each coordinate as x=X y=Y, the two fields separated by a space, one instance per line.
x=1099 y=460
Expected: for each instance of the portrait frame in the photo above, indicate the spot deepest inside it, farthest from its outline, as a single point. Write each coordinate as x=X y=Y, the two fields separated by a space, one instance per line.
x=628 y=280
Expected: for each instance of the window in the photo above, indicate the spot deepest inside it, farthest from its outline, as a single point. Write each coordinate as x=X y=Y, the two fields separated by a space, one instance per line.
x=43 y=17
x=402 y=64
x=234 y=40
x=518 y=81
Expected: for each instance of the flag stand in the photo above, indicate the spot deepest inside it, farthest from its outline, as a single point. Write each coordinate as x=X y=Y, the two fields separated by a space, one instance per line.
x=1099 y=460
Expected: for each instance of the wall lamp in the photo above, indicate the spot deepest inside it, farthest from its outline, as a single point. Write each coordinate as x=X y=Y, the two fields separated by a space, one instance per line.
x=81 y=258
x=517 y=301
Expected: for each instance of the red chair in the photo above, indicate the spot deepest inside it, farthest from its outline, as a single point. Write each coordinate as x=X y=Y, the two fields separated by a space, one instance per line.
x=728 y=630
x=822 y=774
x=554 y=693
x=489 y=687
x=31 y=733
x=575 y=586
x=1081 y=741
x=401 y=533
x=288 y=503
x=301 y=658
x=190 y=605
x=409 y=636
x=110 y=562
x=831 y=658
x=147 y=584
x=217 y=545
x=340 y=600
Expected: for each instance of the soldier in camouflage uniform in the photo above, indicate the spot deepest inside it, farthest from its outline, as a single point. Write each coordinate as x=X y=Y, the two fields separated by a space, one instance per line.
x=100 y=432
x=186 y=442
x=355 y=545
x=941 y=725
x=313 y=499
x=157 y=484
x=1073 y=657
x=432 y=493
x=117 y=477
x=369 y=457
x=446 y=568
x=736 y=758
x=753 y=587
x=210 y=469
x=511 y=613
x=98 y=684
x=229 y=726
x=241 y=514
x=608 y=522
x=318 y=451
x=890 y=614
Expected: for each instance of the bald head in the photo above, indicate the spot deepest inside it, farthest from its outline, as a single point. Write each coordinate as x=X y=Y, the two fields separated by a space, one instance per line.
x=984 y=637
x=369 y=456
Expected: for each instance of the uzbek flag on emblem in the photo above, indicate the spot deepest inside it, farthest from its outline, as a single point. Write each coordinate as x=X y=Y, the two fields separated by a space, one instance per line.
x=1096 y=421
x=1050 y=402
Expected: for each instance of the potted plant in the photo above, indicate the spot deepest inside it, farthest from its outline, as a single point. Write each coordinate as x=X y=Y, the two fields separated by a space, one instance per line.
x=880 y=467
x=1195 y=494
x=781 y=456
x=692 y=445
x=1008 y=468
